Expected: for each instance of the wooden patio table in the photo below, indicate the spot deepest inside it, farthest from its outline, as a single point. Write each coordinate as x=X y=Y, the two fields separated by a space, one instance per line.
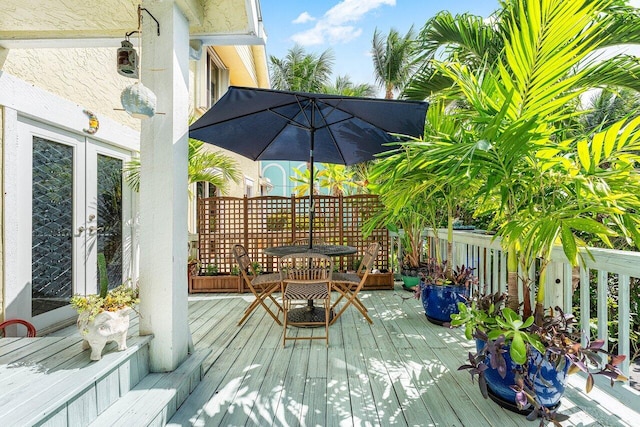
x=310 y=313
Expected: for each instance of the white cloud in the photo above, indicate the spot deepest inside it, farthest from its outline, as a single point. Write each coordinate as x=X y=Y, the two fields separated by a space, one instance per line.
x=303 y=18
x=333 y=28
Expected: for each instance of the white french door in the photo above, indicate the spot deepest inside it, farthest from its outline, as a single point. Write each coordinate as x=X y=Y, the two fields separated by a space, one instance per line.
x=73 y=205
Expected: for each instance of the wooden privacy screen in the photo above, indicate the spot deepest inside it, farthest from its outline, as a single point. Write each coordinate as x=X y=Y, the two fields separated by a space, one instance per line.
x=261 y=222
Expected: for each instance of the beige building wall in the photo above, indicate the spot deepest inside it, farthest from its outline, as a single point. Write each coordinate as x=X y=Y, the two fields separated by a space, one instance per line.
x=87 y=77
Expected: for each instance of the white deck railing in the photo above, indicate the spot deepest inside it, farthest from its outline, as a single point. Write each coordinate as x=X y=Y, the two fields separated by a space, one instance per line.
x=484 y=253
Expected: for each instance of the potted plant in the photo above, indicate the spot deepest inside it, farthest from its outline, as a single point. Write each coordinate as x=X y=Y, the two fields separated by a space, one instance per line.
x=409 y=221
x=442 y=289
x=105 y=317
x=523 y=365
x=210 y=279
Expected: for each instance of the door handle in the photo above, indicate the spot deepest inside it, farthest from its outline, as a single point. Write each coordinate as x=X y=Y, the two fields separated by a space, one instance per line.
x=81 y=229
x=92 y=229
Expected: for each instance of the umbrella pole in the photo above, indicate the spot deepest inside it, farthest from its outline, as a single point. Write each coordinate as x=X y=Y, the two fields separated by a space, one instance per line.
x=312 y=213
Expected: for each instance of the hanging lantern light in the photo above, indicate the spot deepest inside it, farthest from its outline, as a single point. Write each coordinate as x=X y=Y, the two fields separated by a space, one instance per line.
x=139 y=101
x=127 y=60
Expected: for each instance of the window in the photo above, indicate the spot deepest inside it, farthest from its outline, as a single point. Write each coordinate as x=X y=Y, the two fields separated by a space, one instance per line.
x=206 y=189
x=216 y=79
x=248 y=185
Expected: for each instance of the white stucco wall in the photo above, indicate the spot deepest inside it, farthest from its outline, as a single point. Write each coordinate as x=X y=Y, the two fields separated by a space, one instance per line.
x=87 y=77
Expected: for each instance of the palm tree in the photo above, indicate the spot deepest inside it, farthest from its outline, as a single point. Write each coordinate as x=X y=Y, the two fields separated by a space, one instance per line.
x=212 y=167
x=301 y=71
x=344 y=86
x=336 y=178
x=607 y=107
x=545 y=188
x=479 y=43
x=392 y=59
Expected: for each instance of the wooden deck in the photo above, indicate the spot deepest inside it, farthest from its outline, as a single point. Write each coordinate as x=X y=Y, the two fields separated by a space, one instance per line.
x=400 y=371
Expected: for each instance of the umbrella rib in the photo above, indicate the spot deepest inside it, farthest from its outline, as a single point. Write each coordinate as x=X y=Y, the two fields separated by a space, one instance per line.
x=289 y=121
x=335 y=143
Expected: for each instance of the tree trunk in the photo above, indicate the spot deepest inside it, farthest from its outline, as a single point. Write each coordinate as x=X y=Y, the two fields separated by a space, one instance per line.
x=512 y=278
x=450 y=259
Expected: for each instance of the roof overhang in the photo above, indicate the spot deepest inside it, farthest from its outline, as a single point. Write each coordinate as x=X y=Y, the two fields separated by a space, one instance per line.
x=103 y=23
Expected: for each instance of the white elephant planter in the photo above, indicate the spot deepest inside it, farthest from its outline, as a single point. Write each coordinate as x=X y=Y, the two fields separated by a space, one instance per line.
x=106 y=326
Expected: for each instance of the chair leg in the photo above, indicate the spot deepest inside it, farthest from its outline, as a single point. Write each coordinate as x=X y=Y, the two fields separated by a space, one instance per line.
x=260 y=297
x=327 y=311
x=355 y=301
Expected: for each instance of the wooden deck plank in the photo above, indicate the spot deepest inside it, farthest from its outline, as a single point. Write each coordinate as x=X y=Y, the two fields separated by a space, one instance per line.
x=402 y=370
x=10 y=345
x=452 y=388
x=258 y=363
x=75 y=371
x=362 y=405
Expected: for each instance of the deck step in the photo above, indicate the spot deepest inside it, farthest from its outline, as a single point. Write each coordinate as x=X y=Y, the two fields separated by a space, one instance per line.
x=156 y=398
x=77 y=390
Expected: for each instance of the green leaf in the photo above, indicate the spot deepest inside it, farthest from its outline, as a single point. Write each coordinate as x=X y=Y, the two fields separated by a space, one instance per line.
x=596 y=148
x=588 y=225
x=518 y=350
x=569 y=244
x=510 y=315
x=612 y=136
x=583 y=154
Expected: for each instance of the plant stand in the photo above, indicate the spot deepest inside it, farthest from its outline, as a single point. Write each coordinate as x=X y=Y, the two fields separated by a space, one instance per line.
x=377 y=281
x=212 y=284
x=106 y=326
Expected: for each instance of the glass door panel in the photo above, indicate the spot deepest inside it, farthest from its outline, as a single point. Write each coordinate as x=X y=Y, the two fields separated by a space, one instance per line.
x=109 y=220
x=52 y=225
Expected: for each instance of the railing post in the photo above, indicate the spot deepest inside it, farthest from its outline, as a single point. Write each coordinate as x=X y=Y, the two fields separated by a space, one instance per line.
x=555 y=286
x=624 y=317
x=603 y=315
x=585 y=308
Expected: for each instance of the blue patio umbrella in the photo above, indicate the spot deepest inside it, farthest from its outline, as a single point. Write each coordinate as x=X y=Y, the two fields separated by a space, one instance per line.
x=264 y=124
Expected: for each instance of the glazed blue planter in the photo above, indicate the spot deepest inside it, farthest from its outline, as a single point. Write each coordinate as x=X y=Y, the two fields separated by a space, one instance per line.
x=548 y=382
x=440 y=302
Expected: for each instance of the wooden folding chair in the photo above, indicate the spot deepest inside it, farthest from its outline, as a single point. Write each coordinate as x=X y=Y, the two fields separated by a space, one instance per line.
x=344 y=284
x=261 y=285
x=305 y=277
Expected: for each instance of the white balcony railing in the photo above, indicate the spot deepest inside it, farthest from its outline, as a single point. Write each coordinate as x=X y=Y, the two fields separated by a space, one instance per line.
x=484 y=252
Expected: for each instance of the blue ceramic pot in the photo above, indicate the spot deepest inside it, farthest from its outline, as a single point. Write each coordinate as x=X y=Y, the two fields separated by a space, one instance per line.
x=440 y=302
x=548 y=382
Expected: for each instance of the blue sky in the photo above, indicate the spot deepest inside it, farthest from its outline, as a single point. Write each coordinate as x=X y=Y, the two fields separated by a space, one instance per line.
x=347 y=26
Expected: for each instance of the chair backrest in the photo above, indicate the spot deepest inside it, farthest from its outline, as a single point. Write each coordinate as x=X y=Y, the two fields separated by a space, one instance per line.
x=31 y=330
x=304 y=241
x=306 y=267
x=244 y=262
x=369 y=257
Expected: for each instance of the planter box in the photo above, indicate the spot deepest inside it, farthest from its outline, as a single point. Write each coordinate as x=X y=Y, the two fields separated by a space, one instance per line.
x=378 y=281
x=214 y=284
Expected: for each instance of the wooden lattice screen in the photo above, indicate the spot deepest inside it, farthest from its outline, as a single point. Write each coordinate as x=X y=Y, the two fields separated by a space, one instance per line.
x=261 y=222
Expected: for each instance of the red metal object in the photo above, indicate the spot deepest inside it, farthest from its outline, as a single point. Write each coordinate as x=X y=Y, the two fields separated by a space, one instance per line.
x=31 y=330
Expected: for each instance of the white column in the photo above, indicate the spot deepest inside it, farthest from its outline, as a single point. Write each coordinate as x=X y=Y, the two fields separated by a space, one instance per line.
x=163 y=187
